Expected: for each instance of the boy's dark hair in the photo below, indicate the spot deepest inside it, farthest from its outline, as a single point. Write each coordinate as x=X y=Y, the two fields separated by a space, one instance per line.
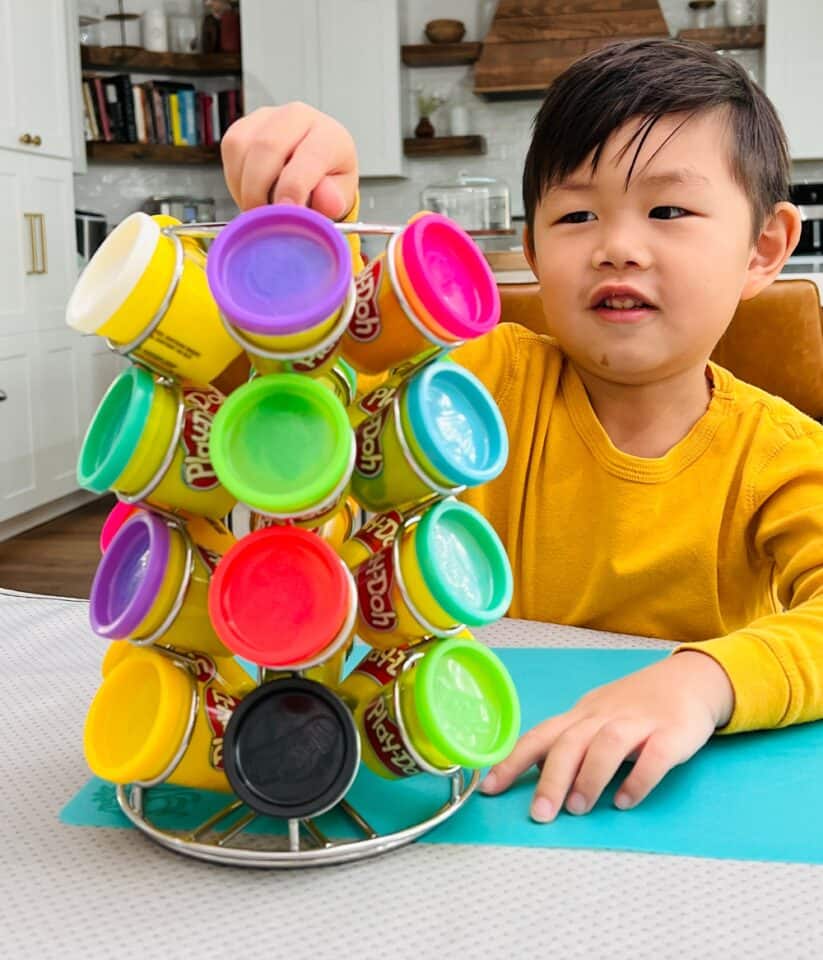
x=652 y=78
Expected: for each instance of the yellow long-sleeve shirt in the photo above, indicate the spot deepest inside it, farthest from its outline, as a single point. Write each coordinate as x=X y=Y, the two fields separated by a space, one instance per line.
x=717 y=545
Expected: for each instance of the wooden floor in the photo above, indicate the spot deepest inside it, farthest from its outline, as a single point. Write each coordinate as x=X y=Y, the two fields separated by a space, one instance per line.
x=58 y=558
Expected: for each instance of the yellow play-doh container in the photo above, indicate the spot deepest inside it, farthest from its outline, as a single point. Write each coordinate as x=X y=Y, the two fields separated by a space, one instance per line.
x=150 y=441
x=376 y=533
x=145 y=290
x=151 y=586
x=442 y=573
x=335 y=531
x=430 y=289
x=371 y=674
x=440 y=433
x=451 y=704
x=227 y=670
x=155 y=720
x=282 y=278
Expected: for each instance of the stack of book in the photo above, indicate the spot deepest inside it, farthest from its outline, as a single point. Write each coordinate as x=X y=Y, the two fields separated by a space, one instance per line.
x=157 y=111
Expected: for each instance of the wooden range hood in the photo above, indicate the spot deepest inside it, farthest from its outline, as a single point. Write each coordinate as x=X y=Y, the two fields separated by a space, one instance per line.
x=531 y=41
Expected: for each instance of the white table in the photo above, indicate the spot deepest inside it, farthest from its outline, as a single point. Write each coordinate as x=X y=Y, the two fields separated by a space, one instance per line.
x=88 y=893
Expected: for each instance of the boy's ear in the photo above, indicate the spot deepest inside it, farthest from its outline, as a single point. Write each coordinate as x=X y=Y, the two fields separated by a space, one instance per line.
x=777 y=239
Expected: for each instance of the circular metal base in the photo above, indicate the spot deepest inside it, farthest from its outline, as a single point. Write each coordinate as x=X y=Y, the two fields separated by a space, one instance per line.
x=305 y=845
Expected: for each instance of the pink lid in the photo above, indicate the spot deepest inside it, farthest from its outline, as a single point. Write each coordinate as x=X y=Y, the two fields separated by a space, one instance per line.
x=450 y=276
x=120 y=513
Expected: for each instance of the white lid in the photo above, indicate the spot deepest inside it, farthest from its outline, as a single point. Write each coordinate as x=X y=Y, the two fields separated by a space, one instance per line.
x=112 y=273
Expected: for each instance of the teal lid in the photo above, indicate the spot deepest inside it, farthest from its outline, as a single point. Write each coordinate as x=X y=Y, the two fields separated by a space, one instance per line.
x=115 y=429
x=463 y=563
x=456 y=424
x=466 y=703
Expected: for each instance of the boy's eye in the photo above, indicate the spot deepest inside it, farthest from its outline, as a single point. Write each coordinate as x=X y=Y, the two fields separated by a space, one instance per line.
x=668 y=213
x=578 y=216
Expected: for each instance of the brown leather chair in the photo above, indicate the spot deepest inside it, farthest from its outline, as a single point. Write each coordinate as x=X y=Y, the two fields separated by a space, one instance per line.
x=775 y=340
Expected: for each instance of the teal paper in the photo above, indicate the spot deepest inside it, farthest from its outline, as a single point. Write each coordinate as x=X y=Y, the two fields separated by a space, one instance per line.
x=753 y=796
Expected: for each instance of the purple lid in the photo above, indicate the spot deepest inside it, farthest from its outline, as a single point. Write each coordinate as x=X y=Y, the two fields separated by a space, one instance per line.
x=129 y=576
x=278 y=270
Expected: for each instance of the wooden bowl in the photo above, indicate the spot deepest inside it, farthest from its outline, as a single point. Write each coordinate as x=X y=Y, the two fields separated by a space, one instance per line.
x=445 y=31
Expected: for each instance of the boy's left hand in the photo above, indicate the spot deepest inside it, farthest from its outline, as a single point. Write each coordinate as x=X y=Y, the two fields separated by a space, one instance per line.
x=662 y=714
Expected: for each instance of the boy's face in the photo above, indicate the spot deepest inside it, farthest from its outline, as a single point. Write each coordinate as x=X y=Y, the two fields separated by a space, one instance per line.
x=639 y=284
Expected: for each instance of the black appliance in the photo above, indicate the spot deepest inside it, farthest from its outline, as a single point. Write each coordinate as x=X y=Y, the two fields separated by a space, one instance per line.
x=808 y=197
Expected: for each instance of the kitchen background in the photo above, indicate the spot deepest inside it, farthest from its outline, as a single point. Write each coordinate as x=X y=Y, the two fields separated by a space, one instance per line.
x=116 y=190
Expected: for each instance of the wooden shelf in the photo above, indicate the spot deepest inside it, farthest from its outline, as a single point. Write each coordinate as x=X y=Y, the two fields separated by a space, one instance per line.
x=101 y=152
x=444 y=146
x=440 y=54
x=137 y=60
x=728 y=38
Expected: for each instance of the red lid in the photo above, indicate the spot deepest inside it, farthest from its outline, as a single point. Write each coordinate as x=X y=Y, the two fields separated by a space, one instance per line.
x=279 y=596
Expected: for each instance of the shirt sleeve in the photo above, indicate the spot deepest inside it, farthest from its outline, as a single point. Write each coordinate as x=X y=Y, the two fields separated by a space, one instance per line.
x=775 y=664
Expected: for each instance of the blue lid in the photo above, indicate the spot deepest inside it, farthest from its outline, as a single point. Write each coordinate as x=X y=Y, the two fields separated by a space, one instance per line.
x=456 y=424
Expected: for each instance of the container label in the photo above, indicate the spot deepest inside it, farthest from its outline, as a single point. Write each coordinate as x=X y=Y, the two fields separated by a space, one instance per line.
x=382 y=666
x=375 y=579
x=218 y=706
x=201 y=405
x=375 y=401
x=368 y=461
x=384 y=738
x=379 y=532
x=365 y=326
x=313 y=361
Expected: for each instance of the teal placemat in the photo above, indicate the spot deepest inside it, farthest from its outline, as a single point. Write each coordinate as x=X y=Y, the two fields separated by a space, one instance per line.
x=754 y=796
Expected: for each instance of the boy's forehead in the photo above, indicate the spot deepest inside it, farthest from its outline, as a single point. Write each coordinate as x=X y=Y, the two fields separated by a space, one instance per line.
x=690 y=149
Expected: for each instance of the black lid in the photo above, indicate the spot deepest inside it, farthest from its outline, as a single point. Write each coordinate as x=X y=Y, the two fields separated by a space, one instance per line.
x=291 y=748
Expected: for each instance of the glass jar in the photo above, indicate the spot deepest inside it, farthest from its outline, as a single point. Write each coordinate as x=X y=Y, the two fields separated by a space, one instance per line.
x=475 y=203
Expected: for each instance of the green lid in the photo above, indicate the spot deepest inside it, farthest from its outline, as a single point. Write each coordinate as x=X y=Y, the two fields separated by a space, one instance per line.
x=115 y=429
x=282 y=443
x=463 y=563
x=466 y=703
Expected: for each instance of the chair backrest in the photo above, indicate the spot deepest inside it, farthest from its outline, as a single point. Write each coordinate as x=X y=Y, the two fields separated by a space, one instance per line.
x=775 y=340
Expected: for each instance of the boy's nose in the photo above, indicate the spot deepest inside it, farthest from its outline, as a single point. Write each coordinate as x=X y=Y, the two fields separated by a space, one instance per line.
x=620 y=251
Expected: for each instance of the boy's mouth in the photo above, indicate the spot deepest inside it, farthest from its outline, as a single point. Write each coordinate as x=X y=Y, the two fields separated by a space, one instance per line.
x=621 y=304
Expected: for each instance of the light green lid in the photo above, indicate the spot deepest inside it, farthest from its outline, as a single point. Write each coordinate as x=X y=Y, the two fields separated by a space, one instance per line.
x=466 y=703
x=115 y=429
x=463 y=563
x=282 y=443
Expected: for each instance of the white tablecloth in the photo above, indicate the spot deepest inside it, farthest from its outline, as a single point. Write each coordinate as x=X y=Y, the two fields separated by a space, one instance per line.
x=88 y=893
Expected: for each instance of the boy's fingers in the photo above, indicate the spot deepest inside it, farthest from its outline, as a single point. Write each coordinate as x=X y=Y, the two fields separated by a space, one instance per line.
x=331 y=196
x=610 y=746
x=565 y=757
x=261 y=168
x=322 y=152
x=657 y=756
x=529 y=750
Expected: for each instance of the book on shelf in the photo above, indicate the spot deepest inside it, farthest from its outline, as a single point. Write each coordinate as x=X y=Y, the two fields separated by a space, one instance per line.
x=118 y=110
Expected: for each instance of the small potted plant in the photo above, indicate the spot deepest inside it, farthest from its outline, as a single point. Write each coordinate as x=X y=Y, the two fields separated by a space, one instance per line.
x=427 y=103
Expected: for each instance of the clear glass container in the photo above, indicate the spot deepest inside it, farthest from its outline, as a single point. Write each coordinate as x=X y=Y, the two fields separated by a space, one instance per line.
x=475 y=203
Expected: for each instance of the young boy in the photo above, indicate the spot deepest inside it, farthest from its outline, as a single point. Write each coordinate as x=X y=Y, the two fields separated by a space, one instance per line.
x=648 y=491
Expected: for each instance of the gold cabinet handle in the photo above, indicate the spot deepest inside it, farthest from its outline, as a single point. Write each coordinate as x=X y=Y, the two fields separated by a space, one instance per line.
x=30 y=140
x=25 y=138
x=37 y=243
x=36 y=140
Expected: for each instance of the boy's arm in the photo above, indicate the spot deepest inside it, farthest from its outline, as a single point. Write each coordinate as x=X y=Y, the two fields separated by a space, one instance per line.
x=775 y=664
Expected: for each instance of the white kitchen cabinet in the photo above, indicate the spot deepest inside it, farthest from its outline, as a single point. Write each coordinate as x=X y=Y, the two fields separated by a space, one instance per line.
x=34 y=93
x=18 y=400
x=794 y=72
x=343 y=58
x=50 y=378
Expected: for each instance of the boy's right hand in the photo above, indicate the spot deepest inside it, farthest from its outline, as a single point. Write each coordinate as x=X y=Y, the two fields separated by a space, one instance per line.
x=291 y=154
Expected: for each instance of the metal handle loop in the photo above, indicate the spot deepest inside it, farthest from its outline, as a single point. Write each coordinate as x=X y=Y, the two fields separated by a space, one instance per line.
x=180 y=597
x=133 y=498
